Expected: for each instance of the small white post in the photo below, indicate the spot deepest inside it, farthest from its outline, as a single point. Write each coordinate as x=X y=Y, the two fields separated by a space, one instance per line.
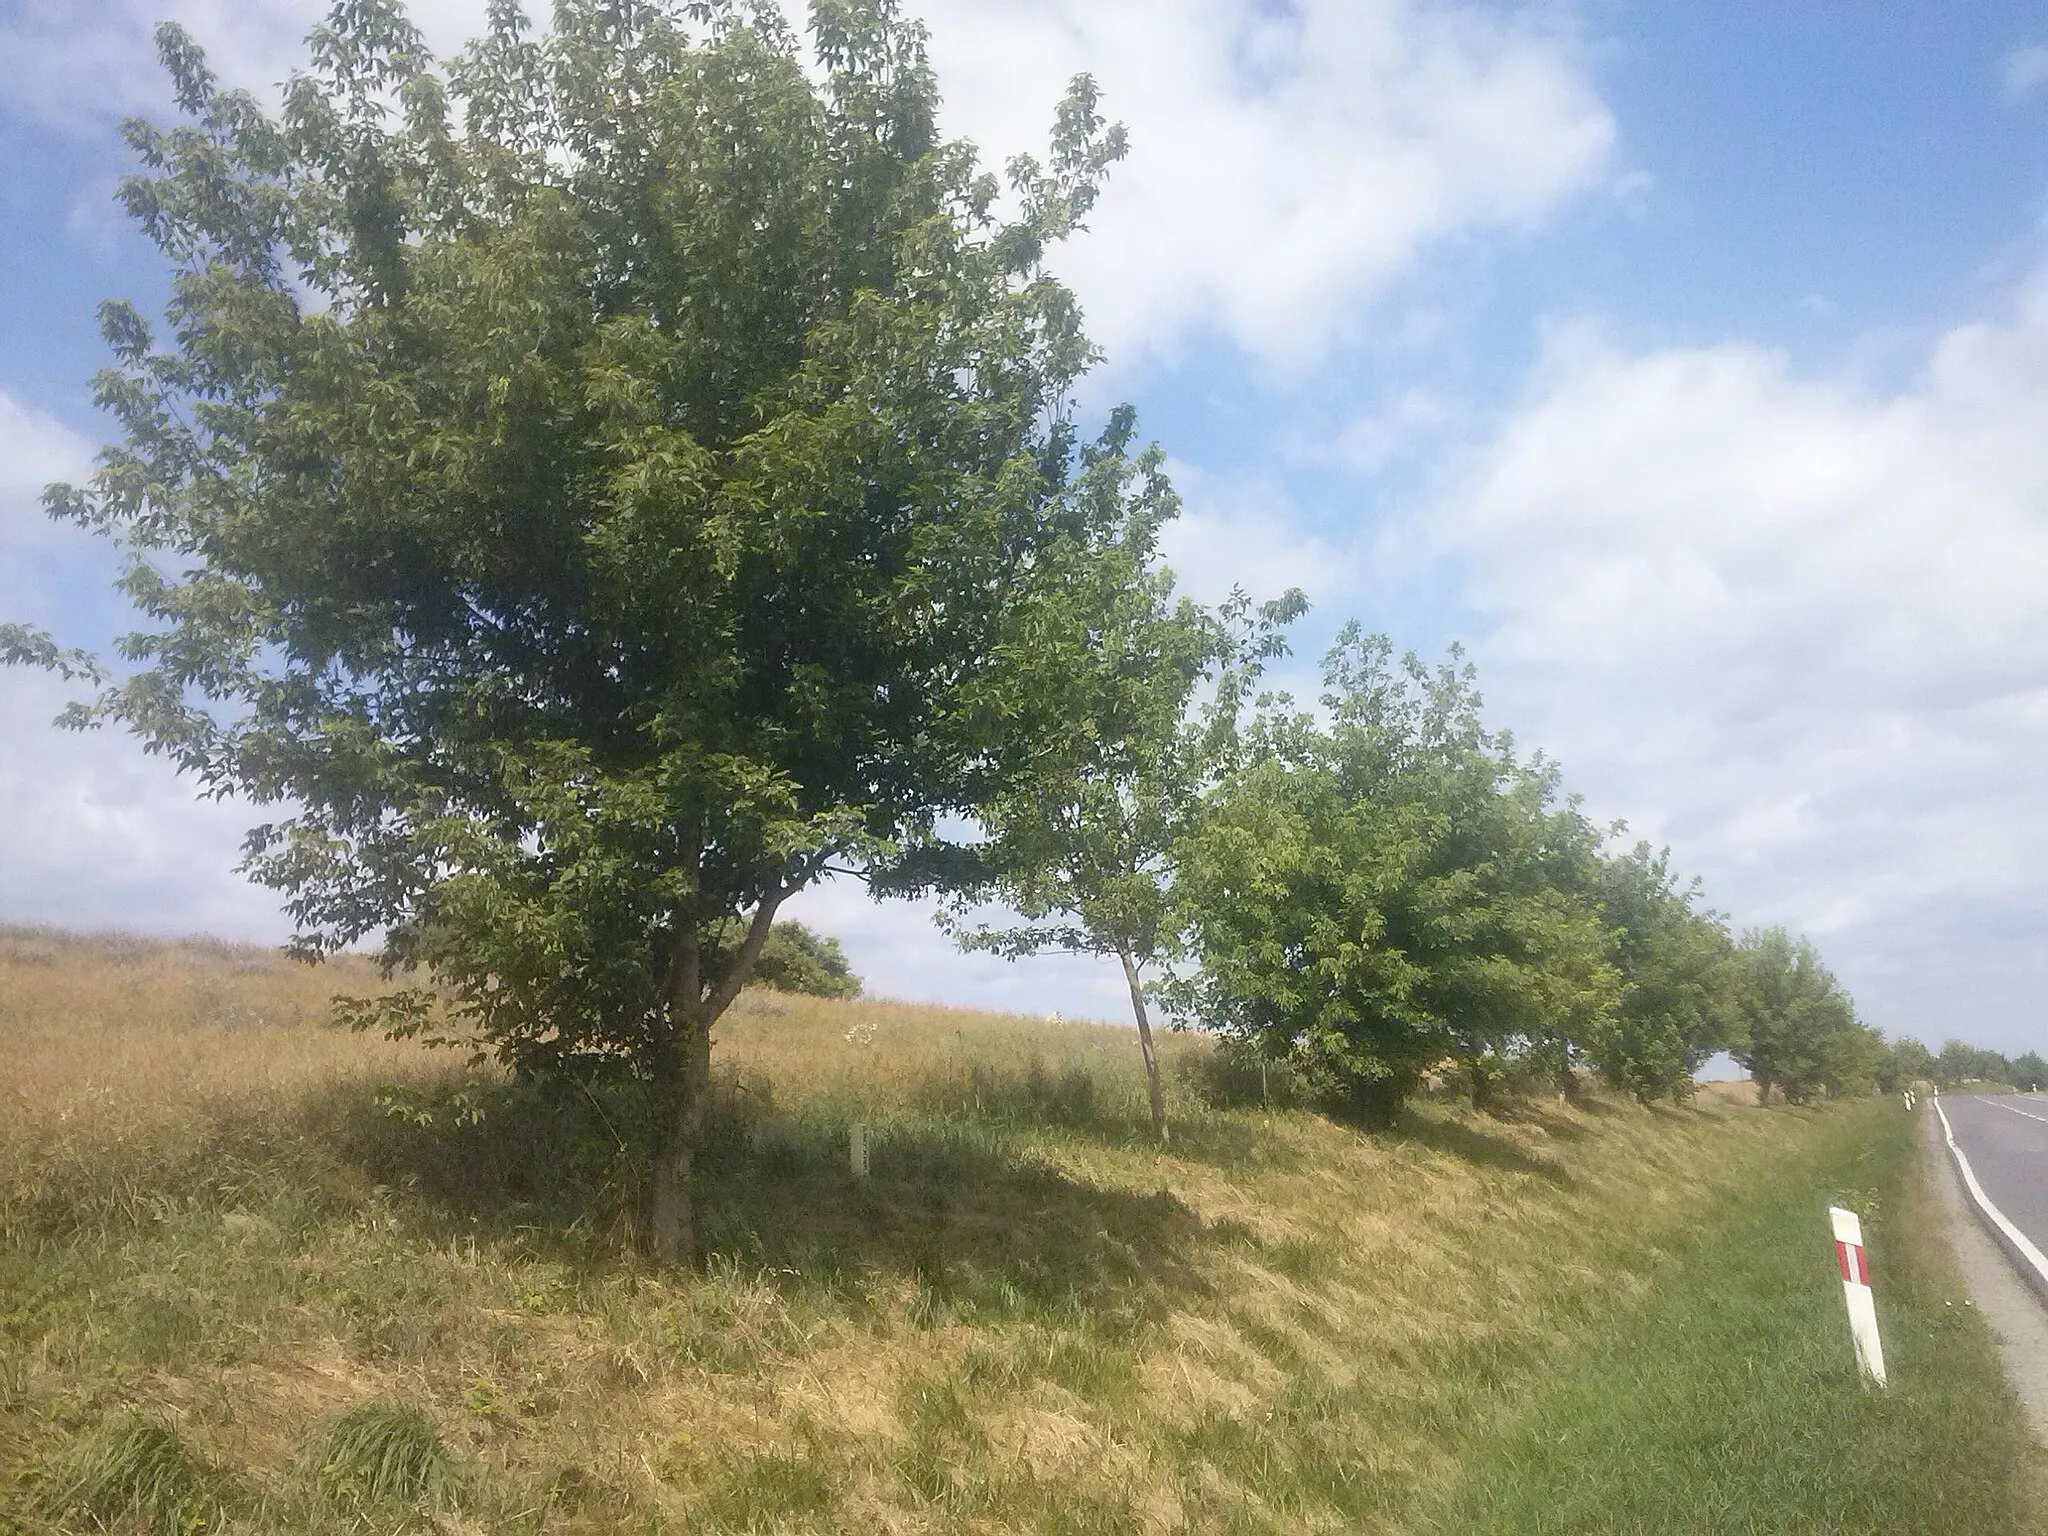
x=859 y=1148
x=1856 y=1292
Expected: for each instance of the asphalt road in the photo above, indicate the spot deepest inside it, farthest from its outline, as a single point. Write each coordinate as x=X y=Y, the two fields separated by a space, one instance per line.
x=2005 y=1137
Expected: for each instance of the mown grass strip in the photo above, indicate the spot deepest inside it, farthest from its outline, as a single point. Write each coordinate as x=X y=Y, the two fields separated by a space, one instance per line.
x=1729 y=1401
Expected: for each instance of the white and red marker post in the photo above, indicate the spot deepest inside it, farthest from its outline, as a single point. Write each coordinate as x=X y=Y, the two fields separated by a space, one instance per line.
x=1856 y=1292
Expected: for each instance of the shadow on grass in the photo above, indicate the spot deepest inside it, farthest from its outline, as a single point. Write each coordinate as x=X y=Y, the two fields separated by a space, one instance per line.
x=961 y=1208
x=1544 y=1117
x=1475 y=1146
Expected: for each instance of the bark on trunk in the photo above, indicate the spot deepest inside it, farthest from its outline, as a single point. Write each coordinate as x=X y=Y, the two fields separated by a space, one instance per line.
x=1482 y=1086
x=671 y=1217
x=1145 y=1047
x=686 y=1070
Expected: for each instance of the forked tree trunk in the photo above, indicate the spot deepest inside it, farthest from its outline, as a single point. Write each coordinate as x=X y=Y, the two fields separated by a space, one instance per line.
x=1145 y=1047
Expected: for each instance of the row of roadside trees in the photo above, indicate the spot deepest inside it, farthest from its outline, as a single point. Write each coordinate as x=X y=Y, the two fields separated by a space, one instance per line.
x=594 y=488
x=1374 y=888
x=1907 y=1061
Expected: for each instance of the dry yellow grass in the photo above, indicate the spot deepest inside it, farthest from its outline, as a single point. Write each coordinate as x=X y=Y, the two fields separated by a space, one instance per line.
x=1029 y=1318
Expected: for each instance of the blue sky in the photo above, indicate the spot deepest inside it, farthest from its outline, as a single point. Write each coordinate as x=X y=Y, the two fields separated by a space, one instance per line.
x=1688 y=363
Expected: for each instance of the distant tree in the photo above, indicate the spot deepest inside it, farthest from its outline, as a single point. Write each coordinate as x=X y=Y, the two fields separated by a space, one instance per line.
x=794 y=959
x=1906 y=1062
x=2029 y=1072
x=1956 y=1063
x=1678 y=975
x=591 y=484
x=1796 y=1022
x=1960 y=1062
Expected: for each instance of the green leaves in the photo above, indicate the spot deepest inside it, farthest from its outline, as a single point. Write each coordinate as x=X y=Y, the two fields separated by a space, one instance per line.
x=1797 y=1028
x=1385 y=886
x=1679 y=974
x=24 y=646
x=586 y=486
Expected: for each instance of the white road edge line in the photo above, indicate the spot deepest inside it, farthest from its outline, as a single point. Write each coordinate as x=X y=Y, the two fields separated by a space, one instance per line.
x=2019 y=1240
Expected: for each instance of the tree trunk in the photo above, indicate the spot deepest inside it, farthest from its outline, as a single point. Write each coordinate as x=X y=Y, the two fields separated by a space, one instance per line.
x=671 y=1218
x=686 y=1072
x=1482 y=1085
x=1145 y=1048
x=1571 y=1085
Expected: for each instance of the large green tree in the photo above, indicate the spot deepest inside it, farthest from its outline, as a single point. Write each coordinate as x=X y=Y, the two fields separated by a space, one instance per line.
x=587 y=488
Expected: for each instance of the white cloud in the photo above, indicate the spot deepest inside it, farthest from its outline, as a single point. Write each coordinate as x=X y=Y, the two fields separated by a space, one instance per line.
x=899 y=952
x=92 y=832
x=2023 y=70
x=1796 y=628
x=1288 y=163
x=34 y=450
x=1237 y=531
x=78 y=64
x=96 y=835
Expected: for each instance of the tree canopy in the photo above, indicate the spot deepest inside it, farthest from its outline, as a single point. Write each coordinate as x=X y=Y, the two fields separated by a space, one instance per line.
x=586 y=486
x=596 y=486
x=795 y=959
x=1798 y=1030
x=1372 y=895
x=1083 y=845
x=1677 y=1004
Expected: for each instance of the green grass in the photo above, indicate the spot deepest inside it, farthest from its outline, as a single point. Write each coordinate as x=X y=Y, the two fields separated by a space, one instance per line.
x=1730 y=1401
x=236 y=1295
x=385 y=1453
x=136 y=1474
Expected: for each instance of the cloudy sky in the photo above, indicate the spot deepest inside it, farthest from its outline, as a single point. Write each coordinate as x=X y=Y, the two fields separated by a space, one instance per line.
x=1688 y=363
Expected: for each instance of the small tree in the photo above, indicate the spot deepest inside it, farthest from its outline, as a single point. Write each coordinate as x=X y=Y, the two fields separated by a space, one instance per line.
x=1084 y=841
x=797 y=960
x=1851 y=1063
x=590 y=485
x=1906 y=1062
x=1507 y=926
x=1795 y=1020
x=1287 y=883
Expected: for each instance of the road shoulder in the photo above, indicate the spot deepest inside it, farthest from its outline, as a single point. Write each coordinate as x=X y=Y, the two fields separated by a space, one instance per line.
x=2018 y=1320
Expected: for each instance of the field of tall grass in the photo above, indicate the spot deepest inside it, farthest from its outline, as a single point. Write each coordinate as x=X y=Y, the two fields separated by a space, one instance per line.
x=260 y=1275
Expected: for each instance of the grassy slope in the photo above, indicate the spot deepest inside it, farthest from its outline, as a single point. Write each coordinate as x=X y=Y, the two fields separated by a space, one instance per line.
x=1027 y=1319
x=1729 y=1401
